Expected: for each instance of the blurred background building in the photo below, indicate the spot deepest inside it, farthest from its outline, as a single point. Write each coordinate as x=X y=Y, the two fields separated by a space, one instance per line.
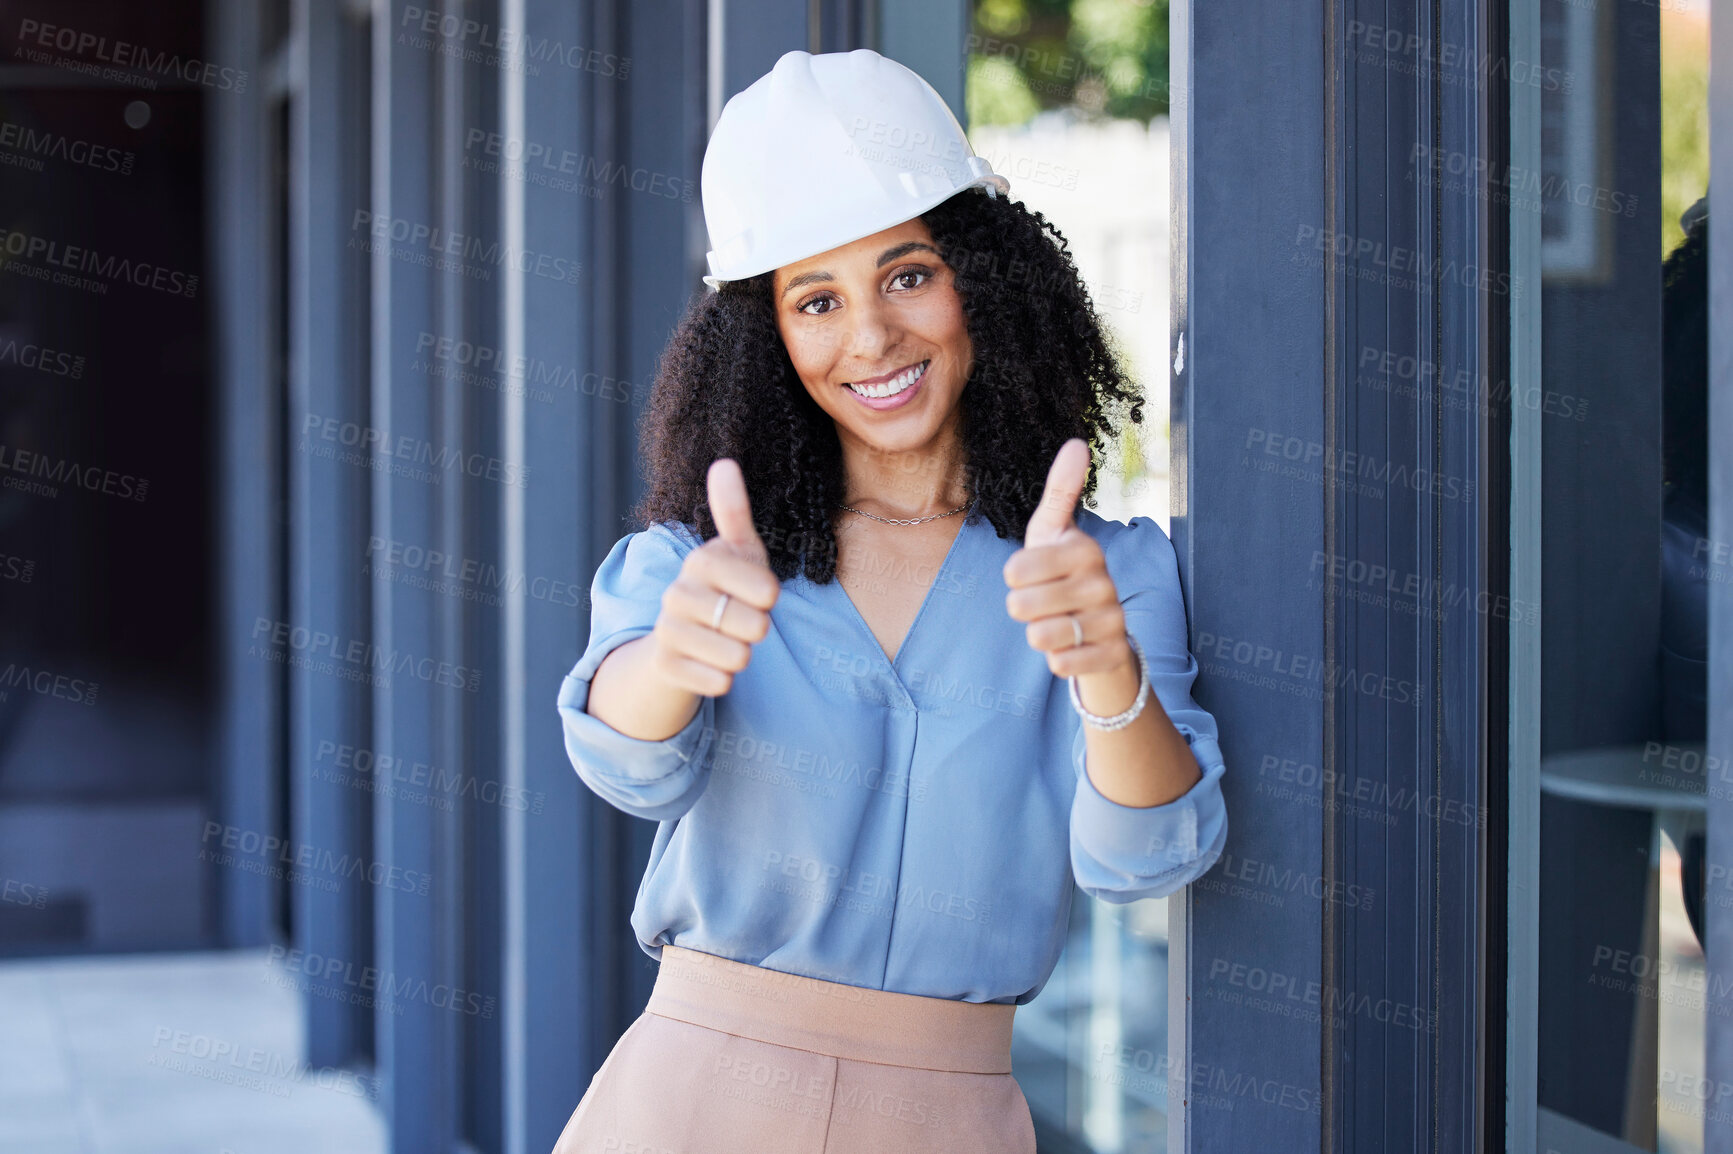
x=324 y=330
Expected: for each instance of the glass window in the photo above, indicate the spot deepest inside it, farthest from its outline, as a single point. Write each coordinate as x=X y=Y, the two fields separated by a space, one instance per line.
x=1068 y=99
x=1609 y=169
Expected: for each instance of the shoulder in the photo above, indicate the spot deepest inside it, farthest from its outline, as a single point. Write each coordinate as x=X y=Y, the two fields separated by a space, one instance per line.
x=1138 y=551
x=660 y=538
x=654 y=553
x=1140 y=534
x=679 y=536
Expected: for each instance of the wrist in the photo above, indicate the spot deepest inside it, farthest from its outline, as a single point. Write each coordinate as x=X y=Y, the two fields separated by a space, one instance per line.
x=1112 y=690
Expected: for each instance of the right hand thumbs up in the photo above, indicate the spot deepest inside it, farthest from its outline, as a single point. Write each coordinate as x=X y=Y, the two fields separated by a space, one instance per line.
x=732 y=511
x=702 y=640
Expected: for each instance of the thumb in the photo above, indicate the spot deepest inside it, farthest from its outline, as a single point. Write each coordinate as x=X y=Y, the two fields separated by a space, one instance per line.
x=1065 y=480
x=731 y=510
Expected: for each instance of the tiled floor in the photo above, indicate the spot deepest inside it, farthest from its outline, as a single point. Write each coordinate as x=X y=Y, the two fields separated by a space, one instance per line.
x=167 y=1054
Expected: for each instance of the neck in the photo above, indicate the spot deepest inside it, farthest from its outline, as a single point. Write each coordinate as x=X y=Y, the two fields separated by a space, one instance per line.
x=906 y=482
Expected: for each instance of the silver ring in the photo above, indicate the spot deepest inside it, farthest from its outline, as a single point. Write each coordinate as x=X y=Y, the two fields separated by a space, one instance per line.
x=721 y=608
x=1076 y=632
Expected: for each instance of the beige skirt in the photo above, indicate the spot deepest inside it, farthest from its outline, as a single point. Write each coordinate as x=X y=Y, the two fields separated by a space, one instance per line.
x=731 y=1058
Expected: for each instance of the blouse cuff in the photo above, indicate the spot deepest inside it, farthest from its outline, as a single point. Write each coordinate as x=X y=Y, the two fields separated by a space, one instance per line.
x=639 y=776
x=1137 y=848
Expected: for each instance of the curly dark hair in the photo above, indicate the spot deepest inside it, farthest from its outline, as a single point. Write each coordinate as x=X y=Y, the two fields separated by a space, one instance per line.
x=1043 y=373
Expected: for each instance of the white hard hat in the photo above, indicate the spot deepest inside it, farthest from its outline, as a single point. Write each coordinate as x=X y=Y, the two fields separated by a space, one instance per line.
x=823 y=150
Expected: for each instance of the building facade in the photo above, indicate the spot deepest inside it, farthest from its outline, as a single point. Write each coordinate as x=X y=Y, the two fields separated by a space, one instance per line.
x=1429 y=374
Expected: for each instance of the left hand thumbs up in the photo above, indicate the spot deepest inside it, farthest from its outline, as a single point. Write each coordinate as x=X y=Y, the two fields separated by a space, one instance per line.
x=1065 y=480
x=1059 y=583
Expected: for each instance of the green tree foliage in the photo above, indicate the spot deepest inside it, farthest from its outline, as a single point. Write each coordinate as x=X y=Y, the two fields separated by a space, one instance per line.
x=1103 y=57
x=1684 y=120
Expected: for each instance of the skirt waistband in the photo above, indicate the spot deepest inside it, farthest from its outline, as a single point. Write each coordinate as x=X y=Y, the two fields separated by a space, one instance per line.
x=844 y=1021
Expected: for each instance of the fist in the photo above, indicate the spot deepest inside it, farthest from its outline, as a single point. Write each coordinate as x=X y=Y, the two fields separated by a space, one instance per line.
x=696 y=649
x=1059 y=576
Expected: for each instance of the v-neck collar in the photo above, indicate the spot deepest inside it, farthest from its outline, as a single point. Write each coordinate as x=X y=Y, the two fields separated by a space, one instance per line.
x=926 y=601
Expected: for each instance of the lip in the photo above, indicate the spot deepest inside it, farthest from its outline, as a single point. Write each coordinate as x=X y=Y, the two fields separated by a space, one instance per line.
x=879 y=380
x=881 y=404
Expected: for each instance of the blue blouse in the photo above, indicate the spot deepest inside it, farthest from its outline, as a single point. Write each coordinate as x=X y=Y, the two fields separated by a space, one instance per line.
x=910 y=825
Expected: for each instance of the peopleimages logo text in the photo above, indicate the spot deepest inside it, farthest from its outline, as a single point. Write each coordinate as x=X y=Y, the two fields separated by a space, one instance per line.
x=514 y=44
x=1411 y=267
x=474 y=253
x=88 y=45
x=78 y=258
x=391 y=989
x=360 y=655
x=61 y=471
x=27 y=355
x=42 y=142
x=303 y=857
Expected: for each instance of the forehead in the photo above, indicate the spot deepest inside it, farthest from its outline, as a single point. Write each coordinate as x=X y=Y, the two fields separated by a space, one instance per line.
x=864 y=251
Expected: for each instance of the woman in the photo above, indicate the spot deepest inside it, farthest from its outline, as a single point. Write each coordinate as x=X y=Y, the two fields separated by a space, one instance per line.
x=887 y=690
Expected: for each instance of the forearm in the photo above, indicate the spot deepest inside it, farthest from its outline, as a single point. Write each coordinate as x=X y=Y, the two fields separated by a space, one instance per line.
x=1146 y=763
x=629 y=694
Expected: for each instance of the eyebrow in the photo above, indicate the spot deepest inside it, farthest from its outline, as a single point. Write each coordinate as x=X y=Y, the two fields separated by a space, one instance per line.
x=885 y=258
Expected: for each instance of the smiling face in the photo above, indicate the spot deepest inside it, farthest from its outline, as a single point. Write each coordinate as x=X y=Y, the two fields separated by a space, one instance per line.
x=878 y=336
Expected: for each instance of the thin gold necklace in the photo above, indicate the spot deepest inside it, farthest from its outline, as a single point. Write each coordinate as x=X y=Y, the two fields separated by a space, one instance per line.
x=905 y=520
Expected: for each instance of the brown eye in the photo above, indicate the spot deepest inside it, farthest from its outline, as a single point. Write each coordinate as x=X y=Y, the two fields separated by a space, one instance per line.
x=806 y=306
x=899 y=276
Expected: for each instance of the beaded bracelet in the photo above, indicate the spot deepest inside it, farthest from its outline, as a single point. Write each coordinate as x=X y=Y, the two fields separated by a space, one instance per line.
x=1118 y=720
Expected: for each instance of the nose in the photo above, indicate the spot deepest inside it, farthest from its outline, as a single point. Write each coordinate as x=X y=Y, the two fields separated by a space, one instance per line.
x=871 y=333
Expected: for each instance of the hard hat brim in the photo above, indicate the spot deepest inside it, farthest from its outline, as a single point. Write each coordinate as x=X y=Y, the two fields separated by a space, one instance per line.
x=990 y=183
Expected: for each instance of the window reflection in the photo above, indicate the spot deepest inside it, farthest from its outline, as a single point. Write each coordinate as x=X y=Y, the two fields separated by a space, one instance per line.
x=1625 y=565
x=1069 y=101
x=1091 y=1050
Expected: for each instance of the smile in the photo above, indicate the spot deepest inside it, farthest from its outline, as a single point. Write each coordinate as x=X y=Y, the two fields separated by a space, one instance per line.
x=894 y=386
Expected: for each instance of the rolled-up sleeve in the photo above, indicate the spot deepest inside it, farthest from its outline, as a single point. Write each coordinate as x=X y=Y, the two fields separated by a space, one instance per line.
x=658 y=780
x=1121 y=853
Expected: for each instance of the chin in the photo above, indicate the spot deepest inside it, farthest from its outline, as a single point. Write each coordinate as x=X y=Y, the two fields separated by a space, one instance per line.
x=915 y=432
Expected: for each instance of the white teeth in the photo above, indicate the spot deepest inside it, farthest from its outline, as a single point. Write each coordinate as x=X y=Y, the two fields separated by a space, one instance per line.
x=893 y=386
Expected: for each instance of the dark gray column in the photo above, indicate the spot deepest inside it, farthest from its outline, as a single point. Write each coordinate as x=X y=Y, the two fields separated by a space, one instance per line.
x=750 y=35
x=329 y=503
x=249 y=450
x=416 y=460
x=1248 y=357
x=554 y=998
x=1414 y=281
x=1340 y=531
x=930 y=36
